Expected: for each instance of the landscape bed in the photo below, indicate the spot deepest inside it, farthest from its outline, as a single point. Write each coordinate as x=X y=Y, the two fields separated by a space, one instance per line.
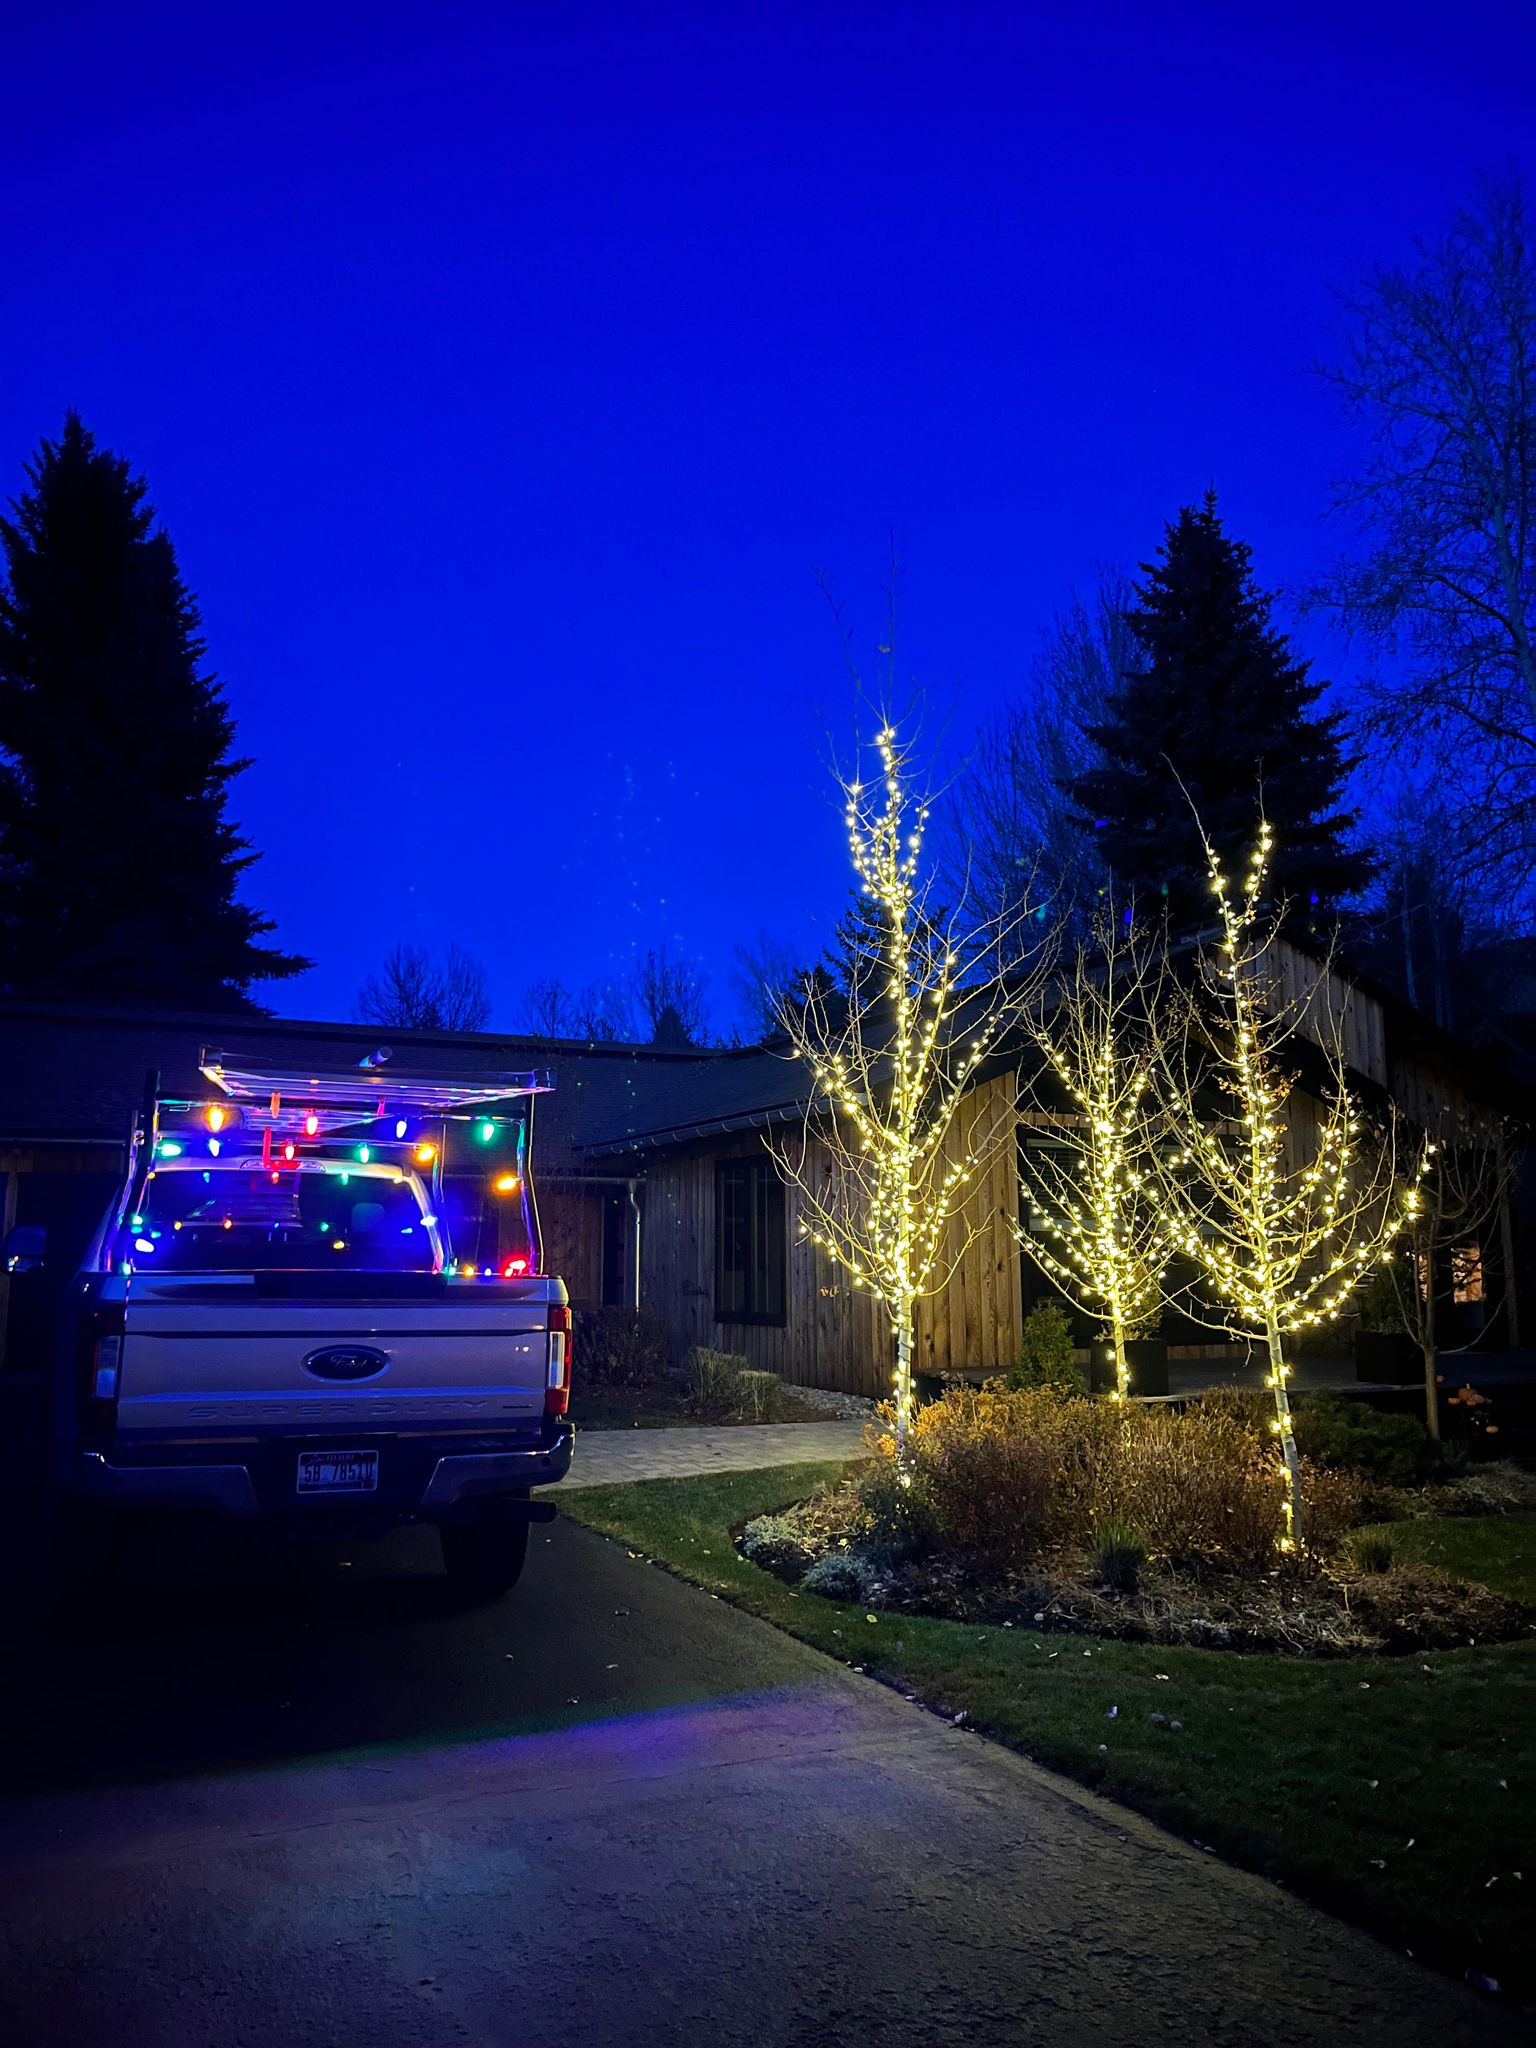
x=1396 y=1791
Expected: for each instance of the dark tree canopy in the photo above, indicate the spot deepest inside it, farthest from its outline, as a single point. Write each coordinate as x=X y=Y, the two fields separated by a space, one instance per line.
x=414 y=992
x=118 y=866
x=1217 y=701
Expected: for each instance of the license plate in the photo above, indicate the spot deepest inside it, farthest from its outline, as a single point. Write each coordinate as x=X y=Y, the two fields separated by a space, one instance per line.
x=338 y=1472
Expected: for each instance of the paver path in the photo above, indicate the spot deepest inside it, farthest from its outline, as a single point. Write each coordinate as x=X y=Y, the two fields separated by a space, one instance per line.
x=607 y=1457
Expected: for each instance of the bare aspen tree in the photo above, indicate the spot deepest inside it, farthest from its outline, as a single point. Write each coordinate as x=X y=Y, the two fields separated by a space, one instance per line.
x=1439 y=367
x=884 y=1161
x=1280 y=1227
x=1464 y=1194
x=1105 y=1245
x=1013 y=818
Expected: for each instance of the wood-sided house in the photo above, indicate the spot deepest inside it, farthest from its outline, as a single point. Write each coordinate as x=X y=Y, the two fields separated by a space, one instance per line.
x=654 y=1182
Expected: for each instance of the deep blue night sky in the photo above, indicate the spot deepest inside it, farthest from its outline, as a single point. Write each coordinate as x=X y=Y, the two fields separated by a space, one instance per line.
x=503 y=374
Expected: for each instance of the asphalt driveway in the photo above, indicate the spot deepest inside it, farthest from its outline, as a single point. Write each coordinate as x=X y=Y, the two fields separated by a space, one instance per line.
x=319 y=1803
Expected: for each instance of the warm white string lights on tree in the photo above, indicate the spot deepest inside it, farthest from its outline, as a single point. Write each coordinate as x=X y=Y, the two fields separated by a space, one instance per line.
x=1103 y=1244
x=885 y=1162
x=1281 y=1227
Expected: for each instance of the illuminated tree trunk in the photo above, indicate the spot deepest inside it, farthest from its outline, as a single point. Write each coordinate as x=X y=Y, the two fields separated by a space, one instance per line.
x=1290 y=1458
x=1122 y=1368
x=903 y=1380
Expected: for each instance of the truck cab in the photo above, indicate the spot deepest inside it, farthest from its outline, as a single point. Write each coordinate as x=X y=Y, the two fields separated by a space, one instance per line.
x=317 y=1301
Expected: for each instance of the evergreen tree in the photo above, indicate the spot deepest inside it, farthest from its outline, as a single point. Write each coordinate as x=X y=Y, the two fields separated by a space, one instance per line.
x=1218 y=702
x=118 y=866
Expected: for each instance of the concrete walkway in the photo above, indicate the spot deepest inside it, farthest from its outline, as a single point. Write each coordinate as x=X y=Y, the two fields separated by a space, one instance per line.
x=611 y=1457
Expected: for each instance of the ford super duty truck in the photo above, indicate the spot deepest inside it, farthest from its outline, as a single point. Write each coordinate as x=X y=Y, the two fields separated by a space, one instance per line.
x=317 y=1301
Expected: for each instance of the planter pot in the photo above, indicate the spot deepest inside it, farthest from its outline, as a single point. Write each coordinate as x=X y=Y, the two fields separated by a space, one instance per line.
x=1147 y=1358
x=1387 y=1358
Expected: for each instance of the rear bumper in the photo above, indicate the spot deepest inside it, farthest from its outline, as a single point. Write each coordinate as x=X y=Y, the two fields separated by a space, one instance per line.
x=226 y=1488
x=440 y=1480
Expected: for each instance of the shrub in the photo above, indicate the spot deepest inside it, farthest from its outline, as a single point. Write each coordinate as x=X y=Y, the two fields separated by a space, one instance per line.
x=1009 y=1477
x=1250 y=1406
x=1119 y=1552
x=841 y=1575
x=621 y=1347
x=1046 y=1356
x=1372 y=1550
x=714 y=1381
x=760 y=1395
x=1203 y=1486
x=1381 y=1306
x=896 y=1510
x=1333 y=1429
x=776 y=1544
x=1504 y=1488
x=1335 y=1502
x=1010 y=1474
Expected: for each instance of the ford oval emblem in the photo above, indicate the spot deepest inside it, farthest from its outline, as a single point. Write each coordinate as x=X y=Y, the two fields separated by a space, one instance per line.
x=346 y=1362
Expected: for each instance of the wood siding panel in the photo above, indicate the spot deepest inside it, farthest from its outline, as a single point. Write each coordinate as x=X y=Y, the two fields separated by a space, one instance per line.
x=571 y=1224
x=1332 y=1009
x=975 y=1320
x=834 y=1335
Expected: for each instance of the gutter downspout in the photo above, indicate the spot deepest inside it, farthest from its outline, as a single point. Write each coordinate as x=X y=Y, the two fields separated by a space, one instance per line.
x=633 y=1188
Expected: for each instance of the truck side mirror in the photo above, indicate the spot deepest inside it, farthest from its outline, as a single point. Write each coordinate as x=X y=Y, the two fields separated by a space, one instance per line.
x=26 y=1246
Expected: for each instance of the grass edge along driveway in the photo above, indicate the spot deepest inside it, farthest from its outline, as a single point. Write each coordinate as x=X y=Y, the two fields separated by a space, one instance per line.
x=1398 y=1792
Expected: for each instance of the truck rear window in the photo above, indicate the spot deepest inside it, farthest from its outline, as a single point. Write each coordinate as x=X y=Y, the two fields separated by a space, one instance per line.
x=235 y=1219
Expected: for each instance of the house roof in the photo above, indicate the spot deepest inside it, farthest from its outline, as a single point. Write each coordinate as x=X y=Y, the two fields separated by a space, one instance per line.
x=75 y=1075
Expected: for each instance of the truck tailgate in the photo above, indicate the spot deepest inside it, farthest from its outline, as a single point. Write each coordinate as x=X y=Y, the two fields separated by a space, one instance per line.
x=210 y=1355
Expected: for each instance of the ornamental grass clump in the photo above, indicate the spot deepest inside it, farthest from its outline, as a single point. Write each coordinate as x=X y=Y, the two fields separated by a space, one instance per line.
x=1372 y=1550
x=1119 y=1552
x=714 y=1380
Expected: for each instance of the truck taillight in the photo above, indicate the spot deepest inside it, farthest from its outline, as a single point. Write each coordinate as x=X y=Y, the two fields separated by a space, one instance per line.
x=101 y=1357
x=109 y=1352
x=557 y=1391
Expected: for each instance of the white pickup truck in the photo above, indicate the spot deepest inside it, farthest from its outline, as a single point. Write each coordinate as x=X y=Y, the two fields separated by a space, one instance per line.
x=317 y=1300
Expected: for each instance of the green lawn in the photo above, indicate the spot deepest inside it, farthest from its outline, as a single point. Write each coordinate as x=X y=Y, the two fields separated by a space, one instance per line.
x=1400 y=1792
x=1497 y=1550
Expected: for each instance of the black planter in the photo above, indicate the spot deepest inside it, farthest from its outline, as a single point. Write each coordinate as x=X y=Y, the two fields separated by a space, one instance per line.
x=1147 y=1358
x=1387 y=1358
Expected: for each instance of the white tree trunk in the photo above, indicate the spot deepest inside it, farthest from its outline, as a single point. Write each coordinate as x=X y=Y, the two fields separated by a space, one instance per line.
x=903 y=1380
x=1289 y=1455
x=1122 y=1370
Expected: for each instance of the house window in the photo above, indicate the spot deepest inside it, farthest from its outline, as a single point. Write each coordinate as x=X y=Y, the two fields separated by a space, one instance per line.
x=749 y=1243
x=1467 y=1273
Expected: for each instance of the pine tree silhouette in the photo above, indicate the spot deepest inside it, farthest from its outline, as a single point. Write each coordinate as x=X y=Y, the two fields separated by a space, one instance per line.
x=118 y=866
x=1220 y=704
